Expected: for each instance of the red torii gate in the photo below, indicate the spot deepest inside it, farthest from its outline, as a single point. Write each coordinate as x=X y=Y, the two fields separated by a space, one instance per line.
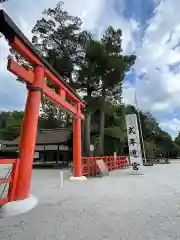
x=65 y=97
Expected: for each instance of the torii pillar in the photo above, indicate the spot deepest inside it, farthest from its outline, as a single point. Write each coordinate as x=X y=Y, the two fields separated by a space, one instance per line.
x=77 y=148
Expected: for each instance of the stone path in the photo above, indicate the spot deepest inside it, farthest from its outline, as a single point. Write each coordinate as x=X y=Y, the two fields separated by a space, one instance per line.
x=122 y=206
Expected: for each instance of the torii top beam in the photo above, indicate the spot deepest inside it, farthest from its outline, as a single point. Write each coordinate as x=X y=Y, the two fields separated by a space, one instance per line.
x=20 y=43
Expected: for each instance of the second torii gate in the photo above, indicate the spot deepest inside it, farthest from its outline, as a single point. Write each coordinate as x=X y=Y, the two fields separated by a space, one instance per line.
x=65 y=97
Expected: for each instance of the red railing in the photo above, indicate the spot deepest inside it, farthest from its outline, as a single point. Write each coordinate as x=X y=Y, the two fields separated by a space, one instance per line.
x=90 y=168
x=10 y=179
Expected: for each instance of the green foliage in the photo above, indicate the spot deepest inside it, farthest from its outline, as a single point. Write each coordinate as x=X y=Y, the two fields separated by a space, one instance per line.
x=103 y=73
x=10 y=124
x=115 y=132
x=177 y=140
x=52 y=117
x=59 y=37
x=115 y=139
x=150 y=147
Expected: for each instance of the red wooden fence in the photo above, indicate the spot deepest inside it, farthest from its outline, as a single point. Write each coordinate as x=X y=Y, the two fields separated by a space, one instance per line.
x=90 y=168
x=10 y=179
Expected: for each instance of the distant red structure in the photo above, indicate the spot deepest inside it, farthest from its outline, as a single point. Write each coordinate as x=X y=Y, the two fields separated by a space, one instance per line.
x=90 y=167
x=64 y=97
x=11 y=179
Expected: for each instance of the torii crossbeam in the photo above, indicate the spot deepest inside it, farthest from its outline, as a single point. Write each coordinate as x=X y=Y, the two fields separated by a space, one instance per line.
x=65 y=97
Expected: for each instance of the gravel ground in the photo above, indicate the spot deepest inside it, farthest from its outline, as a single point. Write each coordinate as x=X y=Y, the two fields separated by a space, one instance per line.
x=121 y=206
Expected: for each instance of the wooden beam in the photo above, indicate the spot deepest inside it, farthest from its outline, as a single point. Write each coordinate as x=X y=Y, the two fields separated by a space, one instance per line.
x=24 y=52
x=56 y=81
x=5 y=180
x=62 y=102
x=21 y=72
x=7 y=161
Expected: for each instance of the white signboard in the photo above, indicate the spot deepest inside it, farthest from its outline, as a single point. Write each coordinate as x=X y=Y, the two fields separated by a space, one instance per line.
x=134 y=141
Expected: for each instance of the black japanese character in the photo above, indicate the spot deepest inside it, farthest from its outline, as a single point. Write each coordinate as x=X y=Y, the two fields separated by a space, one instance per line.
x=131 y=130
x=132 y=141
x=135 y=166
x=134 y=153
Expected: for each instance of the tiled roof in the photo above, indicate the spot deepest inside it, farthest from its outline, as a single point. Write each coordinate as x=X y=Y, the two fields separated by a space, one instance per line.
x=49 y=136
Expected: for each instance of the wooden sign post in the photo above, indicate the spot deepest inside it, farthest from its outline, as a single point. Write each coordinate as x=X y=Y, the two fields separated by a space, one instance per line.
x=103 y=168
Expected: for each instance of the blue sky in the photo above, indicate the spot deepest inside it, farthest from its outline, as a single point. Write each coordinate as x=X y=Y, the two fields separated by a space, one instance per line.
x=151 y=30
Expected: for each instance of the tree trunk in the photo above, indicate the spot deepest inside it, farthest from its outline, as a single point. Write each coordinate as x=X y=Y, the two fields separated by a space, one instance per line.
x=101 y=136
x=87 y=131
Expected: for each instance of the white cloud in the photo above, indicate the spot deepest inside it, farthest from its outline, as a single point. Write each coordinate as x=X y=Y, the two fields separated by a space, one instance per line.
x=116 y=19
x=3 y=50
x=159 y=89
x=172 y=125
x=88 y=11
